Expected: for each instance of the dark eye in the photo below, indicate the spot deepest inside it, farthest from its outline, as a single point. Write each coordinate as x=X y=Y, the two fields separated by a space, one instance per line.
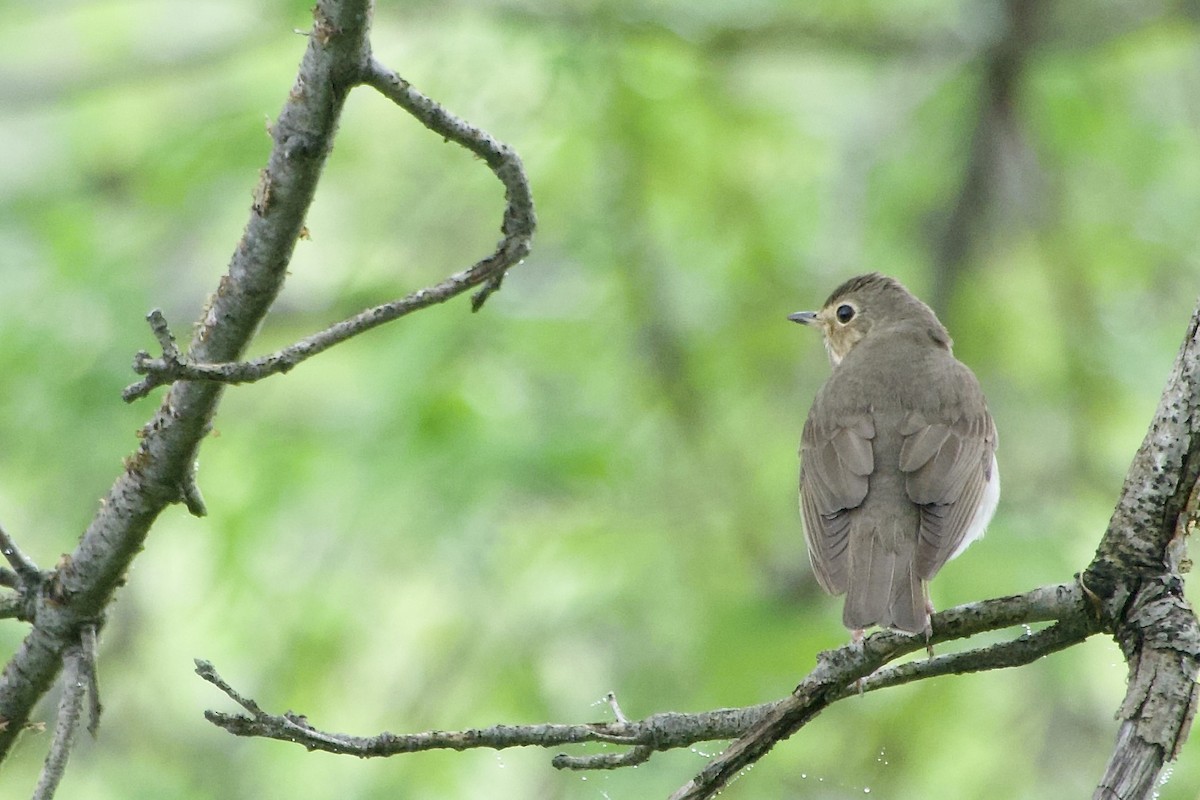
x=845 y=313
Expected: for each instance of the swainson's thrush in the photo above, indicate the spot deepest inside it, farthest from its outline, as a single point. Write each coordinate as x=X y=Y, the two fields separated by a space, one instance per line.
x=898 y=469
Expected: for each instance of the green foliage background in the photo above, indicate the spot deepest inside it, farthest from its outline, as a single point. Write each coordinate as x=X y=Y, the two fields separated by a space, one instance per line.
x=461 y=519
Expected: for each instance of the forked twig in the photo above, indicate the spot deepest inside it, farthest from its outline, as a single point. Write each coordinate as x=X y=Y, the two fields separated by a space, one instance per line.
x=518 y=225
x=835 y=678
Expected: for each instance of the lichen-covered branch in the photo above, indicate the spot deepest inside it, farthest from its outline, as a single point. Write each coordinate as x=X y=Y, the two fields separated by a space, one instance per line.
x=82 y=585
x=662 y=730
x=1136 y=578
x=66 y=605
x=1020 y=651
x=833 y=678
x=836 y=677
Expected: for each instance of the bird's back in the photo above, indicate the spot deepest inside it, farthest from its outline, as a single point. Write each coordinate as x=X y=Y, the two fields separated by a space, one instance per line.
x=879 y=560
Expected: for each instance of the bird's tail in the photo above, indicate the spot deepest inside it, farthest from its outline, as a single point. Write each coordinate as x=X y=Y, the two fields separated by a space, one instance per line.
x=884 y=589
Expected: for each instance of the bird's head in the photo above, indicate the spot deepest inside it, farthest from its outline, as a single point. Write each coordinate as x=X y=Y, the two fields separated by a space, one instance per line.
x=866 y=305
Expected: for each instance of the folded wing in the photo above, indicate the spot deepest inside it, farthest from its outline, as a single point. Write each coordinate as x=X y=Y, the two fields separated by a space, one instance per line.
x=949 y=464
x=836 y=460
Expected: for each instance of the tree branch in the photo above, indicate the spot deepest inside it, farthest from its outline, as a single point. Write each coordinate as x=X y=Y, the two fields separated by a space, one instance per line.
x=1135 y=586
x=836 y=677
x=70 y=707
x=27 y=572
x=83 y=583
x=1024 y=650
x=66 y=605
x=517 y=226
x=1136 y=577
x=1164 y=474
x=830 y=681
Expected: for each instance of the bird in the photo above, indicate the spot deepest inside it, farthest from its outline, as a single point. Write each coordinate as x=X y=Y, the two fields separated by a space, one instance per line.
x=898 y=470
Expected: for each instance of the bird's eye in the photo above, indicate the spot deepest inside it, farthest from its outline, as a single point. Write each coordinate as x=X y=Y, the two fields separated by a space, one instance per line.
x=845 y=313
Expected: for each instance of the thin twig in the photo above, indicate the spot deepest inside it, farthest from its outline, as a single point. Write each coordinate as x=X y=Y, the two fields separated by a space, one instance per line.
x=836 y=671
x=161 y=331
x=170 y=357
x=9 y=579
x=208 y=672
x=87 y=647
x=630 y=758
x=26 y=570
x=518 y=225
x=189 y=492
x=835 y=675
x=1027 y=648
x=618 y=714
x=87 y=579
x=661 y=730
x=70 y=706
x=519 y=218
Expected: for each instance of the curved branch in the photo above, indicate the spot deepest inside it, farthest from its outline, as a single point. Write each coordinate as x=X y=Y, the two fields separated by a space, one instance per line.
x=517 y=226
x=832 y=681
x=77 y=591
x=837 y=676
x=66 y=605
x=519 y=219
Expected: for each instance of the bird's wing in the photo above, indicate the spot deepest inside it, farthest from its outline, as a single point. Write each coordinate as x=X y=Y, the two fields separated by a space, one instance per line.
x=949 y=462
x=835 y=460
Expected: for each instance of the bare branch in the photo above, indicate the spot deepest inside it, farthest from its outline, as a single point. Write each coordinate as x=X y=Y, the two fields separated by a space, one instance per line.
x=618 y=714
x=1024 y=650
x=87 y=652
x=166 y=340
x=519 y=219
x=70 y=707
x=662 y=731
x=142 y=363
x=84 y=582
x=837 y=670
x=71 y=599
x=1136 y=578
x=27 y=573
x=517 y=226
x=836 y=673
x=208 y=672
x=630 y=758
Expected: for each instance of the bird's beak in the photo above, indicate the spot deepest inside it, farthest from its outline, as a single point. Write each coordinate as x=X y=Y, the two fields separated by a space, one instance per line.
x=803 y=317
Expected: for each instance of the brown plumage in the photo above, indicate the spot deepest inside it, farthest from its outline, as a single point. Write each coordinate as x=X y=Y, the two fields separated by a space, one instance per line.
x=898 y=470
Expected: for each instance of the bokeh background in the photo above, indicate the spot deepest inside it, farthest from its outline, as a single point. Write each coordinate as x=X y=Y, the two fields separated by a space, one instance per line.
x=461 y=519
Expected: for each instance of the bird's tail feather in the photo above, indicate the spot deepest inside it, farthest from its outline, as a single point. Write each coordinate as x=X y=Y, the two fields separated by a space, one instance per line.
x=884 y=589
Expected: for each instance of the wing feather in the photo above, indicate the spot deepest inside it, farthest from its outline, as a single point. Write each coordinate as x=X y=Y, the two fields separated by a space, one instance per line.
x=836 y=460
x=949 y=466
